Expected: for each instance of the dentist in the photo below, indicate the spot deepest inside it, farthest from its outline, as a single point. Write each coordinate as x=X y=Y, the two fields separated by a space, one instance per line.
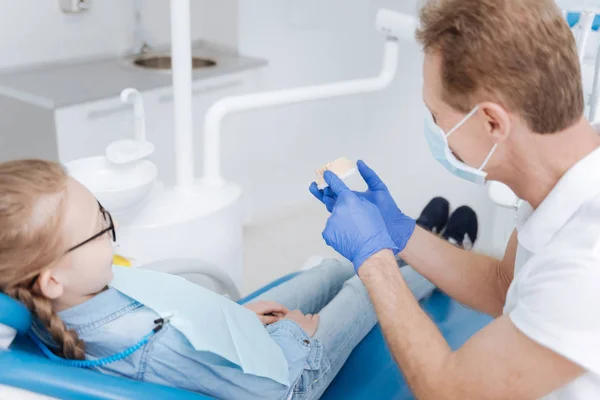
x=503 y=87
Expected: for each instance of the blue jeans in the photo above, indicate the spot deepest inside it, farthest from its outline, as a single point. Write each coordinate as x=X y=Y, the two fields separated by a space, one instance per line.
x=346 y=314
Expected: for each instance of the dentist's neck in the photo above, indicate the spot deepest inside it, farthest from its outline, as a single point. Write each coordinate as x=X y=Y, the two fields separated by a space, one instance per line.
x=538 y=161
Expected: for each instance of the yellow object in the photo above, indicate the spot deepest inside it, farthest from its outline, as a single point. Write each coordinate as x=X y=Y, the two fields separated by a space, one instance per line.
x=121 y=261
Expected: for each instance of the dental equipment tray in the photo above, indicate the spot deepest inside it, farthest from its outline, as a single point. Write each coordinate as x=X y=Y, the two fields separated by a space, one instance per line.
x=369 y=373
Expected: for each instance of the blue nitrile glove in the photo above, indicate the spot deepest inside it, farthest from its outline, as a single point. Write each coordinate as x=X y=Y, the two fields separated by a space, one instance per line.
x=355 y=228
x=399 y=225
x=325 y=196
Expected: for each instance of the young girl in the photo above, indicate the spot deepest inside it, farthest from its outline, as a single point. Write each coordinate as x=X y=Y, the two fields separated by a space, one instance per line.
x=56 y=257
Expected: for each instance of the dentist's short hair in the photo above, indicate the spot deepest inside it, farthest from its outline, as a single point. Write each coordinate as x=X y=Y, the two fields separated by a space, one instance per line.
x=518 y=53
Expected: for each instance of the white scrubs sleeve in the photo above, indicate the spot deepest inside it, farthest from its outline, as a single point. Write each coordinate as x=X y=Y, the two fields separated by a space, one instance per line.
x=558 y=306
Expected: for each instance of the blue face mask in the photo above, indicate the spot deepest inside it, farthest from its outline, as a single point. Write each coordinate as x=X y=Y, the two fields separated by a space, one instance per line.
x=438 y=144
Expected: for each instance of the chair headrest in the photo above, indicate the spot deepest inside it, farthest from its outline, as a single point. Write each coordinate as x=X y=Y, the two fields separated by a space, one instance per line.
x=14 y=314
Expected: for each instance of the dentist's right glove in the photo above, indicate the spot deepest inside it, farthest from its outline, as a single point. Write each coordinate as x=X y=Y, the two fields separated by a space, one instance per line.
x=399 y=225
x=355 y=228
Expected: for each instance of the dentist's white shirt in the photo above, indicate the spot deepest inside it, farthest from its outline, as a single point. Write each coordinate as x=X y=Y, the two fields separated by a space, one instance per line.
x=554 y=298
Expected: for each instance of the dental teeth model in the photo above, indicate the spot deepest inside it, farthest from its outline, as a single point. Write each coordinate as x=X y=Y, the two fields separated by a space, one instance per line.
x=342 y=167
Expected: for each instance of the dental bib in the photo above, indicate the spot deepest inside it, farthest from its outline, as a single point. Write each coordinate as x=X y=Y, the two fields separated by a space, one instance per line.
x=210 y=322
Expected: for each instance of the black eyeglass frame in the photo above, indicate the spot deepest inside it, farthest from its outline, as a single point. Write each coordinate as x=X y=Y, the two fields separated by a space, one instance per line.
x=111 y=229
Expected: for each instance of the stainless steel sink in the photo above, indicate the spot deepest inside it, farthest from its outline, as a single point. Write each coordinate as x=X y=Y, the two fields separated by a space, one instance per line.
x=163 y=62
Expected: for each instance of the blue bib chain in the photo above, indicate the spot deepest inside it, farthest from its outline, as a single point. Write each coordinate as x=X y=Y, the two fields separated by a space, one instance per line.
x=101 y=361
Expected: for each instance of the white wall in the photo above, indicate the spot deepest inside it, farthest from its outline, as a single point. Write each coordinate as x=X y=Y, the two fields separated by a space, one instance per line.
x=273 y=153
x=36 y=31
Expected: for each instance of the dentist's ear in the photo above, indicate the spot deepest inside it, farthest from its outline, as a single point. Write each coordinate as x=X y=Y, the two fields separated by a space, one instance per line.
x=49 y=285
x=497 y=121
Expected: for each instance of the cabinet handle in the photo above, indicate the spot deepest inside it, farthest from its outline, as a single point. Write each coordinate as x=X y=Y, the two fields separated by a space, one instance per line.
x=167 y=98
x=97 y=114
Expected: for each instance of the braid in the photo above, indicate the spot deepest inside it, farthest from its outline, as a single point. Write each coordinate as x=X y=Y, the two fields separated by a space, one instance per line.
x=71 y=346
x=32 y=196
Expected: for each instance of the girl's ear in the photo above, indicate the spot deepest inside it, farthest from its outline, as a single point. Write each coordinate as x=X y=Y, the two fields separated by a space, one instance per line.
x=49 y=285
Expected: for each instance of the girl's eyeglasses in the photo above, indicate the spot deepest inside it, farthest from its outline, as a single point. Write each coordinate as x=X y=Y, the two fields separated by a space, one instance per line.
x=110 y=228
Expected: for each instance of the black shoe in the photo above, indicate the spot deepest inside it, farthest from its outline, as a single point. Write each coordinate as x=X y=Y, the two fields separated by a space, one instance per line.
x=435 y=215
x=461 y=229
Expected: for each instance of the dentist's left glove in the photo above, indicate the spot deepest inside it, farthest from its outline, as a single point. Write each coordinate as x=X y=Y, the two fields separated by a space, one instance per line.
x=355 y=228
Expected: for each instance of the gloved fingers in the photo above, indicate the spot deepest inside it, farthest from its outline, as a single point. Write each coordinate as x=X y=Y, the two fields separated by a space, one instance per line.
x=363 y=195
x=329 y=203
x=321 y=193
x=371 y=178
x=328 y=192
x=329 y=198
x=335 y=183
x=316 y=192
x=325 y=196
x=327 y=234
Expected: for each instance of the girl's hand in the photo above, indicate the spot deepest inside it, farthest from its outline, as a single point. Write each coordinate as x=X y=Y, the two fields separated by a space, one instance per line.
x=308 y=322
x=268 y=312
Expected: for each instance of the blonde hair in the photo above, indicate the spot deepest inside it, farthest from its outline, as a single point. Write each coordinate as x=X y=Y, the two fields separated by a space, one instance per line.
x=32 y=196
x=518 y=53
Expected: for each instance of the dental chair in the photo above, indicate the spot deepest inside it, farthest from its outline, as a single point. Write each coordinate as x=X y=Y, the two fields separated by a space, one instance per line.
x=369 y=373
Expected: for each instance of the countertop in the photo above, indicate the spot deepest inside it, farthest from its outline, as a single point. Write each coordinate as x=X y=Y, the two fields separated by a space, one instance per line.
x=66 y=84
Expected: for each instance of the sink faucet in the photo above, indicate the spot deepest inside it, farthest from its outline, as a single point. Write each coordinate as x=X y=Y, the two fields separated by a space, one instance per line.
x=140 y=41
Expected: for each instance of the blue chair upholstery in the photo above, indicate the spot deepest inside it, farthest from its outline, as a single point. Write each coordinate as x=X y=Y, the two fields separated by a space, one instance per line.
x=24 y=366
x=370 y=372
x=14 y=314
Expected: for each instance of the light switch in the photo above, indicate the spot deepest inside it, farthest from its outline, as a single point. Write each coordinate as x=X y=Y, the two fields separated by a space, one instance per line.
x=75 y=6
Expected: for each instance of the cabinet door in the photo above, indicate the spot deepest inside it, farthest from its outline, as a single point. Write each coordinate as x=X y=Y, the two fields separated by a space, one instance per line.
x=85 y=130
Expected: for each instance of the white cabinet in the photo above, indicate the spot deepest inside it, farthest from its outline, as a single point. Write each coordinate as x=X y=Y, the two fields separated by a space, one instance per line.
x=85 y=130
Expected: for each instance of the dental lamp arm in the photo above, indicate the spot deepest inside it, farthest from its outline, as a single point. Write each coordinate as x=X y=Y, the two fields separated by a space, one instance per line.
x=231 y=105
x=595 y=97
x=394 y=25
x=585 y=28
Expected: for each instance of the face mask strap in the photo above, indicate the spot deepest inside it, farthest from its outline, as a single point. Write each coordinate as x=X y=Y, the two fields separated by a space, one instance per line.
x=462 y=121
x=487 y=159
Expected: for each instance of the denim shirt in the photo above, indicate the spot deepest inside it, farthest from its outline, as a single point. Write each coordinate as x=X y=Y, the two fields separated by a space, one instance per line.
x=111 y=322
